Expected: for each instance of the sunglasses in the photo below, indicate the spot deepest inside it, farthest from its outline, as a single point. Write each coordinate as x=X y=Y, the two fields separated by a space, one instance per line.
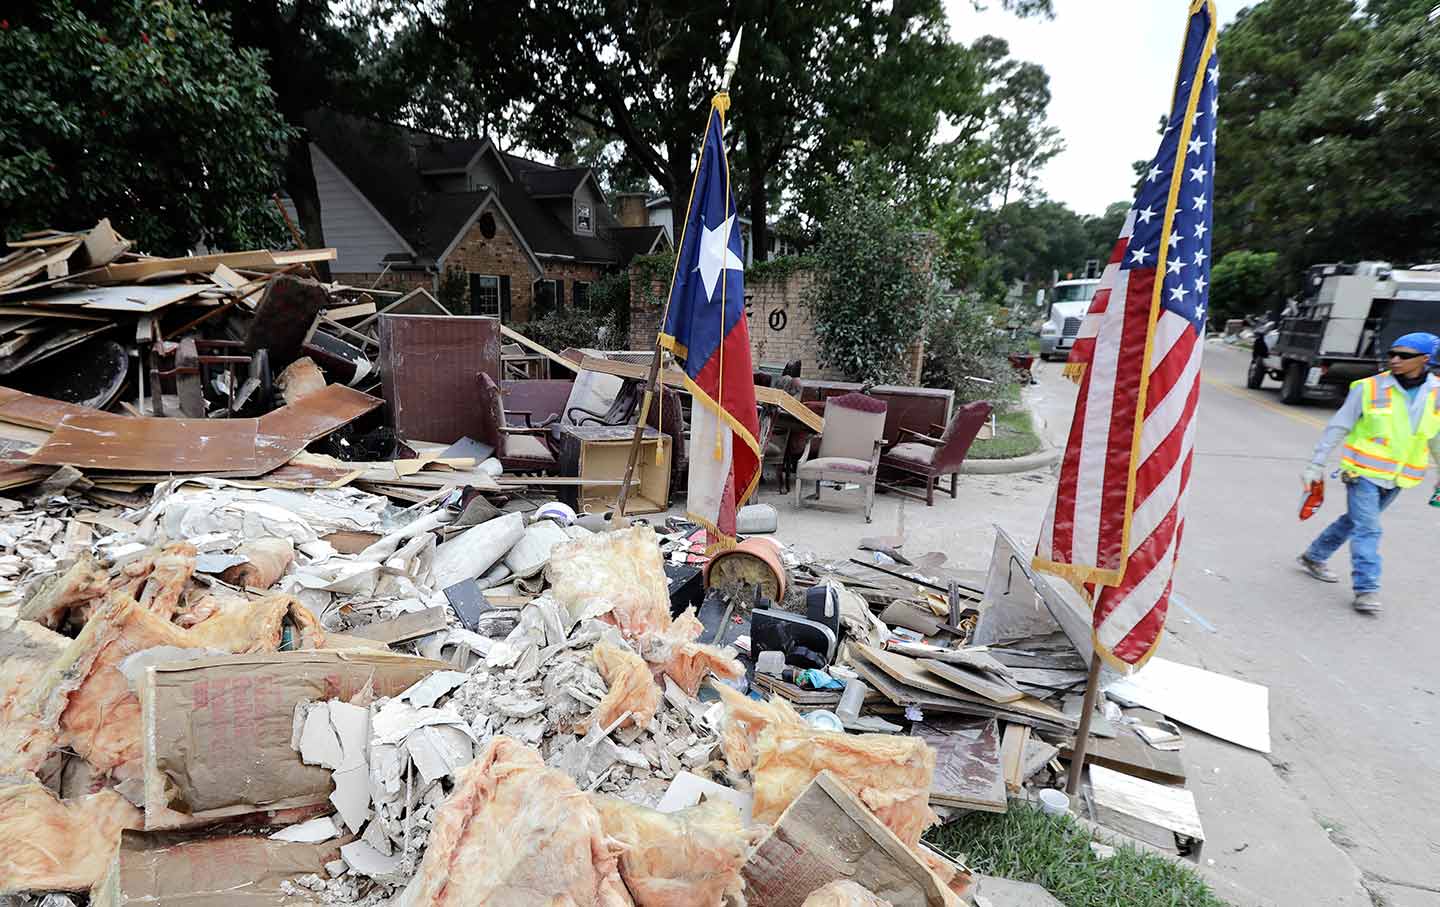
x=1405 y=354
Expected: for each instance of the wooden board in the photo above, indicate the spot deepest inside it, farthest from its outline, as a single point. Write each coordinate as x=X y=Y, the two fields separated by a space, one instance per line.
x=1012 y=755
x=910 y=672
x=406 y=627
x=826 y=835
x=137 y=299
x=977 y=659
x=986 y=685
x=967 y=762
x=1146 y=803
x=35 y=411
x=1127 y=753
x=1024 y=711
x=232 y=446
x=130 y=272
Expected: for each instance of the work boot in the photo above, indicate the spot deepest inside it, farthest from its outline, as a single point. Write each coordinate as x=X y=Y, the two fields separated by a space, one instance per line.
x=1367 y=602
x=1317 y=569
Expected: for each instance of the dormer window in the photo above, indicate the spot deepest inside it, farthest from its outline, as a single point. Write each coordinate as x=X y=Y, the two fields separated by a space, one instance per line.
x=584 y=219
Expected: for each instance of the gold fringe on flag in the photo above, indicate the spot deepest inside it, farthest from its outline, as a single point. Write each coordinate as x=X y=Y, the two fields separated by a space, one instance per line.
x=1075 y=371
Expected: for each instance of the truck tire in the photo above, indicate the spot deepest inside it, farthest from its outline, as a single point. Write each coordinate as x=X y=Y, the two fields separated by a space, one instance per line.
x=1255 y=376
x=1292 y=387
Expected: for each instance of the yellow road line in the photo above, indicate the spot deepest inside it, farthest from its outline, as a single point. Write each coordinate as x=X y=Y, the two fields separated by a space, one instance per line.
x=1288 y=412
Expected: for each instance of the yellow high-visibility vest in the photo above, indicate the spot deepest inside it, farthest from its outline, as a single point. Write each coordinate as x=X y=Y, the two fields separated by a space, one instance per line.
x=1383 y=444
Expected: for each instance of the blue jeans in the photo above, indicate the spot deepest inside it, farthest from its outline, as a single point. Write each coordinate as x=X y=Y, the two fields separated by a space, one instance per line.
x=1360 y=526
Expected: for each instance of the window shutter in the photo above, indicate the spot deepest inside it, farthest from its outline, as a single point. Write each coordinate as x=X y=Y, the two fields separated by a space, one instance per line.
x=580 y=295
x=559 y=294
x=505 y=297
x=475 y=304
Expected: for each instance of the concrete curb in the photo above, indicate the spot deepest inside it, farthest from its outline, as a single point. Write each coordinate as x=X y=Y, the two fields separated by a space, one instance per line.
x=1044 y=458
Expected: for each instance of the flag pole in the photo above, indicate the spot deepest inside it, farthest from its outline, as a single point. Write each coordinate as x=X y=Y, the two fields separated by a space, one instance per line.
x=1082 y=735
x=652 y=384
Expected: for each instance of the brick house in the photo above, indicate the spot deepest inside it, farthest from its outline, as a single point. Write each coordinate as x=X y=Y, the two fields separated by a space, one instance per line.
x=402 y=207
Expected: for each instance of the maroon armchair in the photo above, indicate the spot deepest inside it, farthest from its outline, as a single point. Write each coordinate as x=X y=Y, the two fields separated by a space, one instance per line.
x=518 y=449
x=930 y=458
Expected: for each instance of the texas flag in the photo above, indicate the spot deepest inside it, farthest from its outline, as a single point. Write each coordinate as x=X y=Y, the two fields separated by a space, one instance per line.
x=705 y=329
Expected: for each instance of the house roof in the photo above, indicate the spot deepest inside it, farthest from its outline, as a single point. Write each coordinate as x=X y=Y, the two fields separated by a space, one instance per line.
x=557 y=181
x=633 y=241
x=388 y=164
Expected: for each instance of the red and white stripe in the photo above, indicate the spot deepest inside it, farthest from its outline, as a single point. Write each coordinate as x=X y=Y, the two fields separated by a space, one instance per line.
x=1122 y=547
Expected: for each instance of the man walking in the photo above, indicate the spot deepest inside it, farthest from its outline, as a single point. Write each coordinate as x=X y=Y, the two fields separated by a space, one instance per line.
x=1391 y=424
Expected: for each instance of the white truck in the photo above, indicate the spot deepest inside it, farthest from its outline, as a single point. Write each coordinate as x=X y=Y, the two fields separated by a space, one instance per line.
x=1340 y=328
x=1069 y=300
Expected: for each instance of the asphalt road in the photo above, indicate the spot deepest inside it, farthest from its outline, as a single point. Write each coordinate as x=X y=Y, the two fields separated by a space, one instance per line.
x=1346 y=810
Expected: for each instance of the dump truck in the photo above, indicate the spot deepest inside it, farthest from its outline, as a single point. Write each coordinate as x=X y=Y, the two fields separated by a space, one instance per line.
x=1342 y=324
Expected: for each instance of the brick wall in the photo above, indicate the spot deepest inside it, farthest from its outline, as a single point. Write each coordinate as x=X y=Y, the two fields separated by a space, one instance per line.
x=779 y=322
x=568 y=272
x=502 y=256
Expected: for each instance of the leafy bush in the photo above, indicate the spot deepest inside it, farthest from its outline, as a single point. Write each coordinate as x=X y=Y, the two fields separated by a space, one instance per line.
x=610 y=298
x=965 y=343
x=577 y=327
x=874 y=291
x=1244 y=283
x=454 y=291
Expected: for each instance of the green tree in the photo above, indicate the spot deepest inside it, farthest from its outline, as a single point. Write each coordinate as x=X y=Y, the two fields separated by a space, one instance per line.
x=874 y=289
x=1102 y=232
x=140 y=111
x=643 y=75
x=1244 y=283
x=1329 y=119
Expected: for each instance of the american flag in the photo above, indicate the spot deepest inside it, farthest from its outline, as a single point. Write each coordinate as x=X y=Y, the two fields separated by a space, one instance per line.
x=1115 y=523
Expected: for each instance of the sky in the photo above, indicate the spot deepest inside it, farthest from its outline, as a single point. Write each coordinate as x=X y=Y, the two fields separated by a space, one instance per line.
x=1112 y=69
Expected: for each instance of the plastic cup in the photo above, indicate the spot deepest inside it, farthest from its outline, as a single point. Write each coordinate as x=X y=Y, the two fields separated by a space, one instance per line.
x=850 y=701
x=1054 y=802
x=771 y=662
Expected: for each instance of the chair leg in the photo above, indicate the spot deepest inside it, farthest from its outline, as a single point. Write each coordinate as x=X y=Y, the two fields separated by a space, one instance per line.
x=929 y=491
x=869 y=501
x=954 y=484
x=799 y=491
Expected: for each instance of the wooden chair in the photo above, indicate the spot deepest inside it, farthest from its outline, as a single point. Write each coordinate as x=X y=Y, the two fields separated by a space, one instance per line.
x=849 y=447
x=929 y=457
x=518 y=448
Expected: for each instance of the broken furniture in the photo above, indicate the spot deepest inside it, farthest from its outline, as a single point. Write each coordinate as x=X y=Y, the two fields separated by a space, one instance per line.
x=931 y=458
x=195 y=364
x=849 y=448
x=597 y=456
x=916 y=408
x=428 y=365
x=778 y=431
x=519 y=449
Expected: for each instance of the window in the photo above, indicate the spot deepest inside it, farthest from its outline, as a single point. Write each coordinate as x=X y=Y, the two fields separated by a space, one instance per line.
x=584 y=220
x=546 y=297
x=580 y=293
x=484 y=294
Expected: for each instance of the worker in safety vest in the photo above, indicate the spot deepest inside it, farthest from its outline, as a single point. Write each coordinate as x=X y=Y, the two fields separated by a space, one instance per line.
x=1391 y=425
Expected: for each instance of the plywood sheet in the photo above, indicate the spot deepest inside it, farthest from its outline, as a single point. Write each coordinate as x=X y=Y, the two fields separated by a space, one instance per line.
x=1127 y=753
x=430 y=366
x=1023 y=711
x=35 y=411
x=1172 y=808
x=992 y=688
x=1225 y=707
x=139 y=299
x=233 y=446
x=967 y=762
